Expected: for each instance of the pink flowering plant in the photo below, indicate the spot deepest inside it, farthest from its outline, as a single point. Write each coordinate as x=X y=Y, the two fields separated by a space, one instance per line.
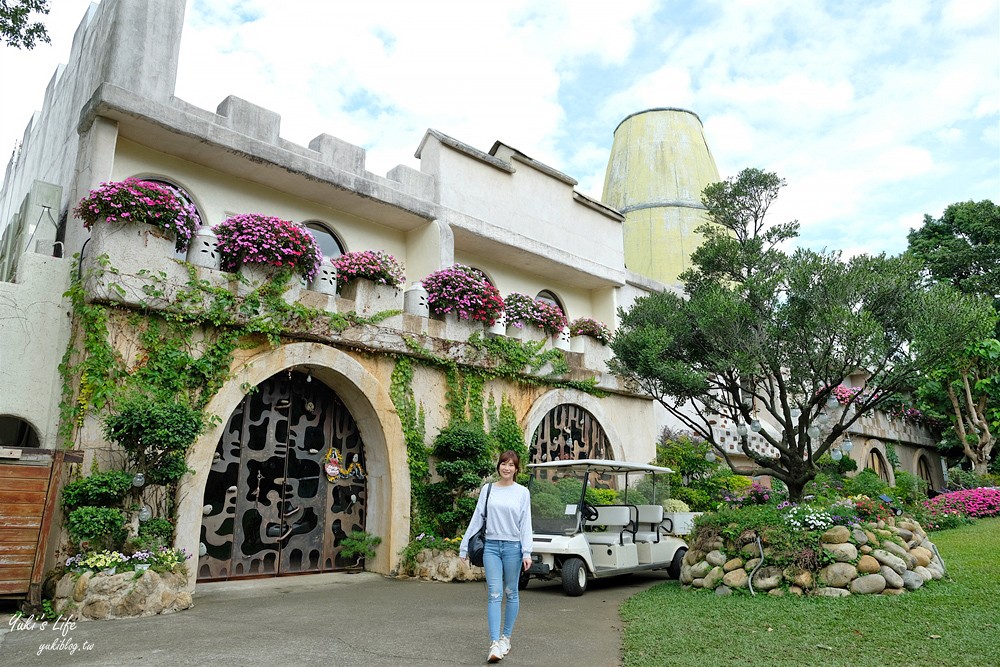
x=375 y=265
x=976 y=503
x=585 y=326
x=464 y=291
x=136 y=201
x=252 y=238
x=522 y=310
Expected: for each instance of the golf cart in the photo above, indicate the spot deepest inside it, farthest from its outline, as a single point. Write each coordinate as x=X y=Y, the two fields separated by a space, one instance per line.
x=578 y=537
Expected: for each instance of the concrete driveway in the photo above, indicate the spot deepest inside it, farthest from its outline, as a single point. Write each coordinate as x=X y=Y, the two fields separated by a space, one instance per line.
x=343 y=620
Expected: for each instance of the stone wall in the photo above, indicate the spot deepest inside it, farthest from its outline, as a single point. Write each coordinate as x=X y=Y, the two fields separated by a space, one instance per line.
x=96 y=596
x=886 y=558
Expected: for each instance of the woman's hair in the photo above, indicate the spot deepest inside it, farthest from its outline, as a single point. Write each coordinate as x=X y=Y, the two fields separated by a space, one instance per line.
x=509 y=455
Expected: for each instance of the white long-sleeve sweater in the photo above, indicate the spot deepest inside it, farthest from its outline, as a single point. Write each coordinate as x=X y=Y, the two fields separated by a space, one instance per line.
x=508 y=517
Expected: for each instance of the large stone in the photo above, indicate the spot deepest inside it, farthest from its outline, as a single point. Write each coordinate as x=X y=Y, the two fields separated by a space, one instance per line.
x=767 y=578
x=105 y=585
x=832 y=592
x=923 y=572
x=893 y=591
x=686 y=577
x=886 y=558
x=80 y=589
x=97 y=609
x=836 y=535
x=64 y=587
x=751 y=564
x=900 y=552
x=183 y=601
x=868 y=565
x=838 y=575
x=795 y=590
x=912 y=581
x=700 y=569
x=736 y=579
x=798 y=577
x=859 y=536
x=714 y=577
x=693 y=556
x=843 y=552
x=698 y=583
x=716 y=558
x=872 y=538
x=892 y=578
x=776 y=592
x=922 y=555
x=733 y=564
x=723 y=591
x=936 y=572
x=869 y=584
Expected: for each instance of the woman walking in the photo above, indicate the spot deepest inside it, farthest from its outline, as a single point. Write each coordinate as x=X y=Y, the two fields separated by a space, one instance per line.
x=508 y=548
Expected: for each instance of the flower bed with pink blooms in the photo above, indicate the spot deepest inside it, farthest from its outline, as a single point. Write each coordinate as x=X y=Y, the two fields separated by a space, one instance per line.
x=976 y=503
x=374 y=265
x=252 y=238
x=461 y=290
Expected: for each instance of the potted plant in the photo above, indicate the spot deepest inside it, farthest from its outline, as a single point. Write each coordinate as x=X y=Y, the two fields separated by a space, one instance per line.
x=585 y=326
x=532 y=318
x=370 y=278
x=252 y=239
x=359 y=544
x=137 y=202
x=463 y=292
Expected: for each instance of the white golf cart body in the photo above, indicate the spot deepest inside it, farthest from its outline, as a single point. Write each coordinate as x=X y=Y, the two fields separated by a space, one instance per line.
x=576 y=541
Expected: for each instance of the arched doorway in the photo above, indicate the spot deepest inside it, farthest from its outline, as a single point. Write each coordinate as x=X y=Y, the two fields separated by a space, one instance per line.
x=924 y=471
x=877 y=463
x=286 y=485
x=568 y=431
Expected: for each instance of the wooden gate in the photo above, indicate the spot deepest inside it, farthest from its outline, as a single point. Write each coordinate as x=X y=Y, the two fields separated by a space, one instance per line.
x=29 y=495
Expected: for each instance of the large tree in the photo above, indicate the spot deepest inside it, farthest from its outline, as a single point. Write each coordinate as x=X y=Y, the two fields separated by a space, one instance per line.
x=962 y=249
x=16 y=27
x=763 y=335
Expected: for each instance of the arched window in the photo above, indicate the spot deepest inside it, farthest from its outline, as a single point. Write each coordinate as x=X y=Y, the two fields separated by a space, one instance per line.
x=328 y=241
x=482 y=274
x=924 y=471
x=185 y=198
x=877 y=463
x=546 y=296
x=15 y=432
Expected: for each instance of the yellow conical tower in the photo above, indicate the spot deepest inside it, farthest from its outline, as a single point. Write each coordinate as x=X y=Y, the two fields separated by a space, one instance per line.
x=659 y=164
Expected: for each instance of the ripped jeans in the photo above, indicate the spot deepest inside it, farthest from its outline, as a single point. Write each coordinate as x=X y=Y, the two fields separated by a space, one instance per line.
x=502 y=562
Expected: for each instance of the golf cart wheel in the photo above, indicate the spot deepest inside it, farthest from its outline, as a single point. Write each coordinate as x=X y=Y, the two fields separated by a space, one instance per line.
x=574 y=577
x=674 y=569
x=522 y=580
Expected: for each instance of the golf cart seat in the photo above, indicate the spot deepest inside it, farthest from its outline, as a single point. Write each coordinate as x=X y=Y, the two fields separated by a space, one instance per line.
x=618 y=520
x=650 y=518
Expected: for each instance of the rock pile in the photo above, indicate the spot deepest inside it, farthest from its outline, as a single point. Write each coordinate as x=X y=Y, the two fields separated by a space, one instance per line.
x=886 y=558
x=437 y=565
x=93 y=595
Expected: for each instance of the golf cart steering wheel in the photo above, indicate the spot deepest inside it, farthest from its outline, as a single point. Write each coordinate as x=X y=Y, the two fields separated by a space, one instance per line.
x=589 y=512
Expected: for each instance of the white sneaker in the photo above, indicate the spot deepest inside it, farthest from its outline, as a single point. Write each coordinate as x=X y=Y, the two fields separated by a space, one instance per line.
x=504 y=645
x=496 y=652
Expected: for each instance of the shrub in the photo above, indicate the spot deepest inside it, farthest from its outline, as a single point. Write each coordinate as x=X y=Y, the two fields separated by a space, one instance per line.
x=359 y=544
x=462 y=290
x=827 y=465
x=137 y=201
x=909 y=488
x=99 y=526
x=959 y=479
x=375 y=265
x=252 y=238
x=585 y=326
x=101 y=489
x=675 y=505
x=155 y=532
x=866 y=483
x=155 y=435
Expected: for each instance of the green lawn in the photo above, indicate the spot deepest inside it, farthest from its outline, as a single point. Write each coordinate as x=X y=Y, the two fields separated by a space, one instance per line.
x=953 y=622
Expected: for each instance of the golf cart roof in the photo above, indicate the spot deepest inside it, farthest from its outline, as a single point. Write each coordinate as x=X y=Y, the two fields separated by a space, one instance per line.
x=602 y=466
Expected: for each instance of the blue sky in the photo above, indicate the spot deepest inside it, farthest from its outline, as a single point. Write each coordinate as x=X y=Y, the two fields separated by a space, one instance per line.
x=875 y=113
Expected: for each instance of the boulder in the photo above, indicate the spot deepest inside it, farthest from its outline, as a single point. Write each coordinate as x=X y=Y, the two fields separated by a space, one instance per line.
x=886 y=558
x=698 y=583
x=836 y=535
x=686 y=577
x=693 y=556
x=922 y=555
x=869 y=584
x=893 y=591
x=795 y=590
x=700 y=569
x=716 y=558
x=751 y=564
x=859 y=536
x=736 y=579
x=798 y=577
x=832 y=592
x=733 y=564
x=912 y=581
x=923 y=572
x=842 y=552
x=892 y=578
x=777 y=592
x=714 y=577
x=723 y=591
x=904 y=534
x=838 y=575
x=767 y=578
x=868 y=565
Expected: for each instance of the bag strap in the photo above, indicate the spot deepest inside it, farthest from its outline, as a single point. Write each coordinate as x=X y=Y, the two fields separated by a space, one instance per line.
x=486 y=505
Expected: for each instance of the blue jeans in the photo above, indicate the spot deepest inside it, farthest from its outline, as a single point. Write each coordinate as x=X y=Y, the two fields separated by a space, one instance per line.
x=502 y=562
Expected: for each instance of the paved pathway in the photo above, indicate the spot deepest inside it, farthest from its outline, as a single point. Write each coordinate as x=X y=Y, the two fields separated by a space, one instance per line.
x=342 y=620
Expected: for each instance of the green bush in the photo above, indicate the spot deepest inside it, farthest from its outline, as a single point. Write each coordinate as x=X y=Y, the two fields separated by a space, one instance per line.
x=865 y=483
x=156 y=532
x=909 y=488
x=827 y=465
x=101 y=489
x=155 y=435
x=696 y=499
x=959 y=479
x=102 y=527
x=674 y=505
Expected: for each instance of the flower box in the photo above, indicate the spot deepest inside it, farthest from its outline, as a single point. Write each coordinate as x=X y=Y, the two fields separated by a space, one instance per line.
x=595 y=355
x=464 y=291
x=257 y=240
x=458 y=329
x=371 y=297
